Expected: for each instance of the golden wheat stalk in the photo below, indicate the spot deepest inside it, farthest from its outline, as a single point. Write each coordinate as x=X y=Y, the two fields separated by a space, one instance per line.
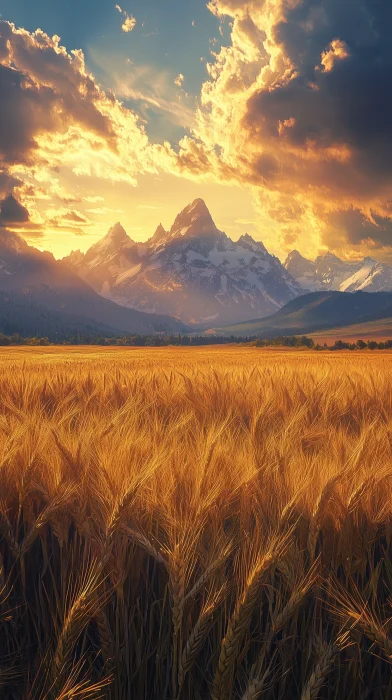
x=177 y=591
x=215 y=564
x=256 y=685
x=105 y=634
x=326 y=657
x=317 y=678
x=238 y=627
x=194 y=644
x=318 y=511
x=143 y=542
x=75 y=687
x=82 y=609
x=355 y=610
x=58 y=501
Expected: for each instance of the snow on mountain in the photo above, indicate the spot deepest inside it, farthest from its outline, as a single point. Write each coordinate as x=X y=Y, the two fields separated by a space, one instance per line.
x=158 y=238
x=327 y=272
x=193 y=272
x=303 y=270
x=194 y=220
x=358 y=279
x=331 y=273
x=106 y=260
x=12 y=243
x=375 y=277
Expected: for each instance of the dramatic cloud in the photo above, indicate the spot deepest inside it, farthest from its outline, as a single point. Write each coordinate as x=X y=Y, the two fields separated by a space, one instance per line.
x=51 y=109
x=8 y=183
x=299 y=106
x=53 y=115
x=12 y=211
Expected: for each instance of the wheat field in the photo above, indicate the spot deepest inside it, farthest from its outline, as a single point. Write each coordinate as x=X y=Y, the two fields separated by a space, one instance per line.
x=205 y=523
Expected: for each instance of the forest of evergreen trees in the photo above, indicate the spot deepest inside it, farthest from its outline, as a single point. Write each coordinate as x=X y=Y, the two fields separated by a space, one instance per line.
x=193 y=341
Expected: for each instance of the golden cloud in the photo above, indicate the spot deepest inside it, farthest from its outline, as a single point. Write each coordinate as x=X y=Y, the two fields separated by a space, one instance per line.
x=293 y=108
x=129 y=22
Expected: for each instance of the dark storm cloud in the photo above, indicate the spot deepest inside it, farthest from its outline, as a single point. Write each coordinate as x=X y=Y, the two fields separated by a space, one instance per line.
x=8 y=183
x=12 y=211
x=25 y=110
x=337 y=100
x=357 y=228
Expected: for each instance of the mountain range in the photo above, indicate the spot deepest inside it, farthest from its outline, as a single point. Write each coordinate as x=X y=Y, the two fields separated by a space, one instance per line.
x=45 y=295
x=193 y=272
x=192 y=277
x=328 y=272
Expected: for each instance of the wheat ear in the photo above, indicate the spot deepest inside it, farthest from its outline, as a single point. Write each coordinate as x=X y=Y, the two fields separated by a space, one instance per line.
x=315 y=523
x=319 y=673
x=82 y=609
x=237 y=628
x=44 y=517
x=143 y=542
x=194 y=644
x=326 y=658
x=256 y=686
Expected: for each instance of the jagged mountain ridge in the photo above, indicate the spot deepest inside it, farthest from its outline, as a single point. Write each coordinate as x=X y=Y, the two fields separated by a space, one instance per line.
x=330 y=273
x=49 y=285
x=193 y=272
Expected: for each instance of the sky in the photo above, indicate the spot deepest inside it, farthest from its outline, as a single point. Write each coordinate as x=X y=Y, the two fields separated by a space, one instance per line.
x=276 y=112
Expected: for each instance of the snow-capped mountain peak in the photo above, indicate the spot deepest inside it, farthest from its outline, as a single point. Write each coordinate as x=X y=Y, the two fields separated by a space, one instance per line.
x=113 y=255
x=328 y=258
x=302 y=269
x=11 y=241
x=116 y=237
x=331 y=273
x=159 y=237
x=250 y=242
x=195 y=220
x=193 y=272
x=358 y=278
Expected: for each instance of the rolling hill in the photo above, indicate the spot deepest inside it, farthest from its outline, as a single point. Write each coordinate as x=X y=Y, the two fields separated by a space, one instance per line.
x=379 y=330
x=317 y=311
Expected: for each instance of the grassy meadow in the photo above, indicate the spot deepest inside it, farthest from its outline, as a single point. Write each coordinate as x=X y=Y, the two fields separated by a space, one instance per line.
x=205 y=523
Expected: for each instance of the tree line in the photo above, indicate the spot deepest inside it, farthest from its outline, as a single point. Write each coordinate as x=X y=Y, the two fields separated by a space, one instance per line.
x=305 y=341
x=193 y=341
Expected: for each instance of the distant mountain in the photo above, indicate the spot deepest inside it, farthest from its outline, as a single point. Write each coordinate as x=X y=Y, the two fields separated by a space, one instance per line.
x=328 y=272
x=193 y=272
x=106 y=260
x=20 y=313
x=371 y=277
x=315 y=312
x=47 y=284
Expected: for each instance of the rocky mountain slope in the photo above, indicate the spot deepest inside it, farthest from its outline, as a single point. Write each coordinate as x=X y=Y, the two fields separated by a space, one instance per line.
x=47 y=284
x=193 y=272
